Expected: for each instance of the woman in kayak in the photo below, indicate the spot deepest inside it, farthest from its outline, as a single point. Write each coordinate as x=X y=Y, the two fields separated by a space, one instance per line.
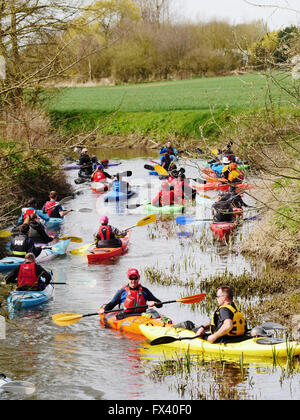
x=53 y=209
x=108 y=236
x=131 y=295
x=28 y=275
x=32 y=208
x=37 y=231
x=21 y=244
x=227 y=323
x=222 y=209
x=99 y=175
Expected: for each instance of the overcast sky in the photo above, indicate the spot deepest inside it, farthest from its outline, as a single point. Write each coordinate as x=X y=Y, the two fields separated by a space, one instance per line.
x=240 y=11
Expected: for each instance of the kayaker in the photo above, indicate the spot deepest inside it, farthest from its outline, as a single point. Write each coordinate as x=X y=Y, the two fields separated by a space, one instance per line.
x=21 y=244
x=120 y=185
x=166 y=160
x=37 y=231
x=231 y=174
x=227 y=323
x=86 y=163
x=28 y=275
x=99 y=175
x=168 y=149
x=130 y=295
x=182 y=189
x=165 y=197
x=107 y=235
x=222 y=209
x=53 y=209
x=32 y=208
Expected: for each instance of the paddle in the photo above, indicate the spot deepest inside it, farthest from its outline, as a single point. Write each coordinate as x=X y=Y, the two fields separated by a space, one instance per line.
x=68 y=318
x=143 y=222
x=185 y=220
x=168 y=339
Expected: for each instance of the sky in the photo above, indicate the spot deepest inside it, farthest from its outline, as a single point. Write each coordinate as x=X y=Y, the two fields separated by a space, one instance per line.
x=240 y=11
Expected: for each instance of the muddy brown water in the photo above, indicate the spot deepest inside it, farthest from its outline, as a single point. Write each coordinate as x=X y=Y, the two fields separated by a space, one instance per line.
x=85 y=361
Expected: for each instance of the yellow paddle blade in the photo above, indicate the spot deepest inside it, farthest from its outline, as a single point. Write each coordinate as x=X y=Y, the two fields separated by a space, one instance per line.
x=146 y=220
x=5 y=233
x=205 y=196
x=82 y=249
x=66 y=318
x=73 y=238
x=160 y=170
x=192 y=299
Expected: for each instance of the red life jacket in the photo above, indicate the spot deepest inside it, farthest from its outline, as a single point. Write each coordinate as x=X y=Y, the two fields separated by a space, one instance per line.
x=49 y=207
x=105 y=232
x=99 y=176
x=167 y=197
x=27 y=276
x=134 y=298
x=28 y=212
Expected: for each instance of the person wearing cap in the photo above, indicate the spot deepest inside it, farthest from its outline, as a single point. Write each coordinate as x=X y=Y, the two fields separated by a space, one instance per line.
x=21 y=244
x=222 y=209
x=86 y=164
x=53 y=209
x=28 y=275
x=32 y=208
x=131 y=295
x=108 y=236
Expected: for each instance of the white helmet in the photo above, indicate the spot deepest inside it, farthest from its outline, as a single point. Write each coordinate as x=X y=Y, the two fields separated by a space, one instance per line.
x=225 y=160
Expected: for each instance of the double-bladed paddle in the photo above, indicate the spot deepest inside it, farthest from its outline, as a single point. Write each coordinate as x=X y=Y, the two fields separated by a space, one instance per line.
x=185 y=220
x=68 y=318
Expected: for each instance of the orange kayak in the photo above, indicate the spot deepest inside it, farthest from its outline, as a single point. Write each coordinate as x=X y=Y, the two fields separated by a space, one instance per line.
x=222 y=229
x=131 y=324
x=97 y=255
x=219 y=186
x=99 y=187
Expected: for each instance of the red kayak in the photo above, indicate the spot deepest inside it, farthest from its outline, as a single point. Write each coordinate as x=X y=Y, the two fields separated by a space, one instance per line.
x=223 y=187
x=99 y=187
x=222 y=229
x=237 y=212
x=97 y=255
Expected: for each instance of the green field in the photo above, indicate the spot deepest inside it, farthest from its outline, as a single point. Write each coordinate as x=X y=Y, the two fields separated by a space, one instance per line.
x=174 y=107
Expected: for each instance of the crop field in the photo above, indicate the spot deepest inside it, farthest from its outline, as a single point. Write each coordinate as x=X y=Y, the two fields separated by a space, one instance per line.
x=193 y=94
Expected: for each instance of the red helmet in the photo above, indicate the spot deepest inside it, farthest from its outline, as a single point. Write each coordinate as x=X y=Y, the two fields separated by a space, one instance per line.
x=104 y=219
x=133 y=272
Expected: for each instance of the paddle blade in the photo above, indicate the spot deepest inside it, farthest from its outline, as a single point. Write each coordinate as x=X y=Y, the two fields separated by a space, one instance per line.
x=160 y=170
x=66 y=318
x=73 y=238
x=146 y=220
x=82 y=249
x=192 y=299
x=85 y=210
x=163 y=340
x=149 y=167
x=5 y=233
x=182 y=220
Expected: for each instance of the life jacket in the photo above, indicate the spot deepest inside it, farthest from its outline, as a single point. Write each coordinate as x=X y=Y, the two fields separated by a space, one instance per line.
x=239 y=323
x=28 y=212
x=49 y=207
x=27 y=276
x=105 y=233
x=99 y=176
x=134 y=298
x=167 y=196
x=234 y=175
x=18 y=245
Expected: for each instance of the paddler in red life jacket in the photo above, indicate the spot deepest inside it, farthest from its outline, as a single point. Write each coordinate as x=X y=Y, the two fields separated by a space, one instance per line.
x=28 y=275
x=30 y=209
x=100 y=175
x=182 y=189
x=53 y=209
x=108 y=236
x=130 y=295
x=165 y=197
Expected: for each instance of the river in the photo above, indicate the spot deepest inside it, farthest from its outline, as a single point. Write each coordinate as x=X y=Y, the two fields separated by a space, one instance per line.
x=85 y=361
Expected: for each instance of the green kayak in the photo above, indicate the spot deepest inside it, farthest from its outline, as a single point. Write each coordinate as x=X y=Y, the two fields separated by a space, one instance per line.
x=176 y=208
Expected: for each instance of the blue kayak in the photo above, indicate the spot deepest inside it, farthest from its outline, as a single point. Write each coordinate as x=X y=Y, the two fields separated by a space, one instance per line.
x=153 y=173
x=54 y=222
x=117 y=196
x=7 y=264
x=18 y=300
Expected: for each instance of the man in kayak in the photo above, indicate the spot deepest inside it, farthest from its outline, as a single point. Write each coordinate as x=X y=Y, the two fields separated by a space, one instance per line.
x=52 y=208
x=166 y=160
x=21 y=244
x=28 y=275
x=222 y=209
x=37 y=231
x=165 y=197
x=108 y=236
x=131 y=295
x=86 y=163
x=32 y=208
x=99 y=175
x=227 y=323
x=230 y=174
x=168 y=149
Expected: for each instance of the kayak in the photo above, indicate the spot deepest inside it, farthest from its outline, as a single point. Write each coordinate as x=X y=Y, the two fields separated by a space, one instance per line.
x=222 y=229
x=18 y=300
x=54 y=222
x=99 y=187
x=97 y=255
x=74 y=165
x=257 y=347
x=209 y=186
x=7 y=264
x=176 y=208
x=117 y=196
x=240 y=166
x=131 y=324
